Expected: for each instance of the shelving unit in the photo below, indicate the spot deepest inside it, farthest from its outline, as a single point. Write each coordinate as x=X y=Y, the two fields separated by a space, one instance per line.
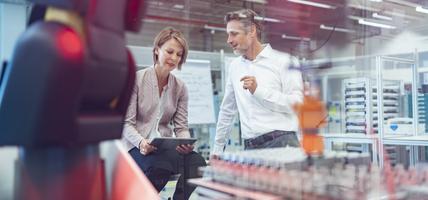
x=357 y=101
x=364 y=139
x=361 y=105
x=363 y=116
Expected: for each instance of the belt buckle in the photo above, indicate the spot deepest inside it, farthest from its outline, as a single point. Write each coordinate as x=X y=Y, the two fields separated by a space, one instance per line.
x=271 y=136
x=248 y=142
x=257 y=141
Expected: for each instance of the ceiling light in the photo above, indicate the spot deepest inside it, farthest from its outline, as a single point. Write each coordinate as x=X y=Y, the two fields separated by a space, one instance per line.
x=267 y=19
x=421 y=9
x=322 y=26
x=376 y=0
x=379 y=16
x=354 y=17
x=179 y=6
x=258 y=1
x=311 y=3
x=391 y=13
x=375 y=24
x=404 y=3
x=283 y=36
x=214 y=28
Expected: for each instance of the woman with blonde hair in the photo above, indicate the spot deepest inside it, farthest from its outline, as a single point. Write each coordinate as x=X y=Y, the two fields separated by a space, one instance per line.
x=158 y=108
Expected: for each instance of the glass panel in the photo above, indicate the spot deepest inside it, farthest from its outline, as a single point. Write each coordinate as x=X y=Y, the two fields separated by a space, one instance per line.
x=422 y=92
x=337 y=41
x=353 y=147
x=397 y=155
x=422 y=155
x=397 y=82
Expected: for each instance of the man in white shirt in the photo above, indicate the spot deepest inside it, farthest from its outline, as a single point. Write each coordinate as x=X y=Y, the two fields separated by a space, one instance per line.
x=261 y=87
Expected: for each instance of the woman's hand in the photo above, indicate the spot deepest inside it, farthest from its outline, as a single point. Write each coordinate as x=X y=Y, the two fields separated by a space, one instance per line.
x=185 y=148
x=146 y=148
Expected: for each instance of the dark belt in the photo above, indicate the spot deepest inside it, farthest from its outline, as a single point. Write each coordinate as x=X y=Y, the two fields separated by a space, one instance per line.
x=266 y=137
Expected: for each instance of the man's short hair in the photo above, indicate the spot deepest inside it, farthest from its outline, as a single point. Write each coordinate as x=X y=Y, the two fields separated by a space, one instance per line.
x=247 y=17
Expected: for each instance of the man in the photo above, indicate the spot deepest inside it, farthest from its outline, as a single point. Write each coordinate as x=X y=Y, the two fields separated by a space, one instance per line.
x=260 y=86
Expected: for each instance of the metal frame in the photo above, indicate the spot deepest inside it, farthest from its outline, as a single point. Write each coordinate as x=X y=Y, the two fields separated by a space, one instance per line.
x=329 y=139
x=378 y=141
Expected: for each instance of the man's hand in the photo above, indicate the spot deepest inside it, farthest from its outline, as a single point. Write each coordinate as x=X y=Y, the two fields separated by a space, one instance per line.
x=184 y=148
x=250 y=83
x=146 y=148
x=214 y=157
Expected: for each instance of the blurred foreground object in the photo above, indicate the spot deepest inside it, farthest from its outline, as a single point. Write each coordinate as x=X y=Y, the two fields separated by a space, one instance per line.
x=263 y=174
x=312 y=115
x=65 y=89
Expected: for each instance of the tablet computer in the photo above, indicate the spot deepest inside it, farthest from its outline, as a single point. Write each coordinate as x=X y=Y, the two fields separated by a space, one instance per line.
x=170 y=142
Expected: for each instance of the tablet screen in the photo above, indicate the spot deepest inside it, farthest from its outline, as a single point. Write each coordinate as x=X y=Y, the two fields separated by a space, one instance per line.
x=170 y=142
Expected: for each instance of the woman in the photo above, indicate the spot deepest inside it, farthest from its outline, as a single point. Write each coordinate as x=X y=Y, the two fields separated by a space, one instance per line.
x=158 y=108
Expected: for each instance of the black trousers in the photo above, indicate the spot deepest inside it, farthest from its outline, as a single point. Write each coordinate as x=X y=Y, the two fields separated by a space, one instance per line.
x=159 y=166
x=273 y=139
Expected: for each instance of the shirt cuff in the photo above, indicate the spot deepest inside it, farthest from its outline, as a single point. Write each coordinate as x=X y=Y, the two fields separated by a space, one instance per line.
x=139 y=143
x=260 y=92
x=217 y=150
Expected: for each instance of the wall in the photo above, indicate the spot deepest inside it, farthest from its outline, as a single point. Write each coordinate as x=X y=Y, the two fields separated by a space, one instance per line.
x=406 y=42
x=12 y=23
x=13 y=19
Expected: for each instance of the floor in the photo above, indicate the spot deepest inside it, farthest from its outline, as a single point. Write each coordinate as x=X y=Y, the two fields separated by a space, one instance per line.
x=169 y=189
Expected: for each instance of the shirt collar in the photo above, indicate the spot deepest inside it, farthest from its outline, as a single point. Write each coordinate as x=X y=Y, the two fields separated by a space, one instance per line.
x=155 y=79
x=265 y=53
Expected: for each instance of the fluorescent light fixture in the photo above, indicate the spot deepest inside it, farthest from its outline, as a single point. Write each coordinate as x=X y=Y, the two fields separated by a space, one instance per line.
x=322 y=26
x=404 y=3
x=379 y=16
x=146 y=20
x=376 y=0
x=375 y=24
x=267 y=19
x=258 y=1
x=179 y=6
x=311 y=3
x=421 y=9
x=283 y=36
x=214 y=28
x=390 y=13
x=354 y=17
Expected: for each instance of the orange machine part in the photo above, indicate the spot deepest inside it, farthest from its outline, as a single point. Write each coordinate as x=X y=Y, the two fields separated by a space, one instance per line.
x=312 y=115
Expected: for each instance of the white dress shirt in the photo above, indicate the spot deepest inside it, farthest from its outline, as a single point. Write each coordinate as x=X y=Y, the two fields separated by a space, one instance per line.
x=271 y=106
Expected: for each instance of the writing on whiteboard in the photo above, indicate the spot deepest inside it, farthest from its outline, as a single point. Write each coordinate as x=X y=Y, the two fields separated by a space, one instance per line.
x=196 y=74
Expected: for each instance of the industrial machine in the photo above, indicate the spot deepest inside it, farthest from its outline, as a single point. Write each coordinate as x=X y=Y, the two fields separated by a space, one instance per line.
x=64 y=90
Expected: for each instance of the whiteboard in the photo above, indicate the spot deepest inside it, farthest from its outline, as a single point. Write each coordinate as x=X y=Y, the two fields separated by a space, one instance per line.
x=196 y=74
x=227 y=61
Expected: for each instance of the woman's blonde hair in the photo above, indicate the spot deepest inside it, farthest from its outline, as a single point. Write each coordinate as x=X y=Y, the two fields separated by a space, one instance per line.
x=165 y=35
